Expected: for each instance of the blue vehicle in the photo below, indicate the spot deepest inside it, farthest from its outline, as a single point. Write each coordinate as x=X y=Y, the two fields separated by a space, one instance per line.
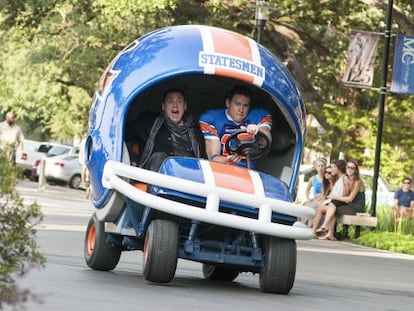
x=228 y=218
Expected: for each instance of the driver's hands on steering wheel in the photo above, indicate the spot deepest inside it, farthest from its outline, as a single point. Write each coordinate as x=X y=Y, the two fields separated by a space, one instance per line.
x=251 y=128
x=253 y=146
x=233 y=158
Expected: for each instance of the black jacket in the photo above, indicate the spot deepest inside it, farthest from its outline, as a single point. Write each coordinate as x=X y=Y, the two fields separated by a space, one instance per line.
x=140 y=129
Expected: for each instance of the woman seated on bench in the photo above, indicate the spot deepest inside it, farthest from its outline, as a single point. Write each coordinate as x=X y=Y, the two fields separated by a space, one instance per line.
x=350 y=202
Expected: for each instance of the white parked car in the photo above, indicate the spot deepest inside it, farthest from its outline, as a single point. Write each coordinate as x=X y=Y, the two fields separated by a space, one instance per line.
x=64 y=169
x=49 y=149
x=32 y=154
x=385 y=197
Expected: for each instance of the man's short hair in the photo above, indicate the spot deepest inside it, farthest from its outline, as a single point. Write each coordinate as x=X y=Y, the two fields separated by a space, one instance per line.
x=241 y=90
x=173 y=90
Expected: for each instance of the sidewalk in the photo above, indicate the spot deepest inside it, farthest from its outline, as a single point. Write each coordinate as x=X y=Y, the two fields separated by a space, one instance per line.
x=341 y=247
x=26 y=187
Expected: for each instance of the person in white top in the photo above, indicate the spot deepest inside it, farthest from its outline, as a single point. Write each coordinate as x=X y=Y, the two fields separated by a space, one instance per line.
x=327 y=208
x=11 y=136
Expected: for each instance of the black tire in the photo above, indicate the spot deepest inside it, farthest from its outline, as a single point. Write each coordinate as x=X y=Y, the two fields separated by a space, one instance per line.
x=75 y=181
x=278 y=273
x=215 y=273
x=98 y=254
x=161 y=251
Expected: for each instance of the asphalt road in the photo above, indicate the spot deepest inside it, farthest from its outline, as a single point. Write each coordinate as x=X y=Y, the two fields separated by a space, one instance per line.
x=330 y=275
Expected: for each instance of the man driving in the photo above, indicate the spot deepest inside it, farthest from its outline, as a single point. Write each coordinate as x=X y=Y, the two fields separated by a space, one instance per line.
x=217 y=125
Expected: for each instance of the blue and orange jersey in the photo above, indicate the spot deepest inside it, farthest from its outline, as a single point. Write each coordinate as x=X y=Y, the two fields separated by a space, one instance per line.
x=217 y=124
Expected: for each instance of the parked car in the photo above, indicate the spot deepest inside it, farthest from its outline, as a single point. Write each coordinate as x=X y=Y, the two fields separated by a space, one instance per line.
x=32 y=154
x=49 y=149
x=385 y=197
x=63 y=169
x=45 y=147
x=62 y=149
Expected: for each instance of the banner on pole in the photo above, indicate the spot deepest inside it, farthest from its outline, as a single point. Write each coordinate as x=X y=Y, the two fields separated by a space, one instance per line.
x=360 y=62
x=403 y=70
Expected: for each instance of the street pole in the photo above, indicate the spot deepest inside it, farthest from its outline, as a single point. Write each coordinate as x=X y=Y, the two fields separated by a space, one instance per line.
x=381 y=108
x=262 y=15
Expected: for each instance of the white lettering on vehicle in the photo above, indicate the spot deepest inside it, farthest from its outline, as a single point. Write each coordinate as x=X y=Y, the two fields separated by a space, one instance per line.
x=217 y=60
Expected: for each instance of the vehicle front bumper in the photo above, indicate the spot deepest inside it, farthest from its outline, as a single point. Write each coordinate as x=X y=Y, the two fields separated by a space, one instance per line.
x=116 y=176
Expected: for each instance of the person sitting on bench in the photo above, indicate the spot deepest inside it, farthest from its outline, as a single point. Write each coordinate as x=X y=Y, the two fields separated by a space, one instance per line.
x=352 y=201
x=404 y=200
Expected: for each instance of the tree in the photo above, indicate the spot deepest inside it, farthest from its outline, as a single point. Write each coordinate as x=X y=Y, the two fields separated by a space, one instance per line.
x=53 y=53
x=18 y=248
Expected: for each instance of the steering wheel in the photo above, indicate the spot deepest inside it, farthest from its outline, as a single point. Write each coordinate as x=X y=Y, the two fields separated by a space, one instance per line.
x=252 y=146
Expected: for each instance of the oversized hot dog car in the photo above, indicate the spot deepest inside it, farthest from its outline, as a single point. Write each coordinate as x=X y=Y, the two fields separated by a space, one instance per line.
x=231 y=219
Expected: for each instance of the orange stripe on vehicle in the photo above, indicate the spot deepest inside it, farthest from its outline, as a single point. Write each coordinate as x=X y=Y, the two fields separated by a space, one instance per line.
x=231 y=44
x=234 y=74
x=232 y=177
x=141 y=186
x=236 y=46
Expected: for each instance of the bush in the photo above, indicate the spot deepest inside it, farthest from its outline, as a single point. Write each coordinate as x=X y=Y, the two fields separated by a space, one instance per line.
x=386 y=222
x=18 y=248
x=390 y=241
x=389 y=235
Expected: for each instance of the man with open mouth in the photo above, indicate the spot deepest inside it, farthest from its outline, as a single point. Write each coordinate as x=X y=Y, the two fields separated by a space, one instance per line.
x=170 y=133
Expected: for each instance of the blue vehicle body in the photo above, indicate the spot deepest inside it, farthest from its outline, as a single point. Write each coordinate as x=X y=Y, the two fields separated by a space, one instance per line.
x=250 y=208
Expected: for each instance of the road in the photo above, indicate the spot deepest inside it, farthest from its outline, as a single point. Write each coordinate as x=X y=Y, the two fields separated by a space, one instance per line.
x=330 y=275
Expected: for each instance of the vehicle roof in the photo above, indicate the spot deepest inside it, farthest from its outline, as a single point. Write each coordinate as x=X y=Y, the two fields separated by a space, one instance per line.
x=58 y=149
x=65 y=156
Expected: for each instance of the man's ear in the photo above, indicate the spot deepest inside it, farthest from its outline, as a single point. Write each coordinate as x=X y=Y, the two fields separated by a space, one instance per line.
x=227 y=103
x=162 y=106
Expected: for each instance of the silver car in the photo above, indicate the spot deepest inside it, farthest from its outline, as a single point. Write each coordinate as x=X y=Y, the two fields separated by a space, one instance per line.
x=32 y=154
x=49 y=149
x=63 y=169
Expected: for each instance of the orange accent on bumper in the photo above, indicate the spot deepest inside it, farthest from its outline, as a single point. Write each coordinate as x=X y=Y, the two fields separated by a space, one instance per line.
x=232 y=177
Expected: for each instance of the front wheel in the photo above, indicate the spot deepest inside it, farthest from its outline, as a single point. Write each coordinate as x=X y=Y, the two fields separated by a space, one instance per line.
x=161 y=251
x=98 y=254
x=278 y=273
x=212 y=272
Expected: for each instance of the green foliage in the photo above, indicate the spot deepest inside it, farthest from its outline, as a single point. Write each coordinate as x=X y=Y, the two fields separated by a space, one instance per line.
x=52 y=54
x=386 y=221
x=390 y=241
x=348 y=129
x=389 y=235
x=18 y=248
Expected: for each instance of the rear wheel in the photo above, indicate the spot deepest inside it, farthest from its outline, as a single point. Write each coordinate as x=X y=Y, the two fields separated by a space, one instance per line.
x=98 y=254
x=212 y=272
x=75 y=181
x=278 y=273
x=161 y=251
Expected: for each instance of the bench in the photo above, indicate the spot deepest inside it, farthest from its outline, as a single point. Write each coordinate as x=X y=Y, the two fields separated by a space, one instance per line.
x=358 y=220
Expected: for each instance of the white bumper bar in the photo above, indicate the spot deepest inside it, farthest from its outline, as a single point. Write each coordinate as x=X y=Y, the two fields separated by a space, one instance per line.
x=115 y=172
